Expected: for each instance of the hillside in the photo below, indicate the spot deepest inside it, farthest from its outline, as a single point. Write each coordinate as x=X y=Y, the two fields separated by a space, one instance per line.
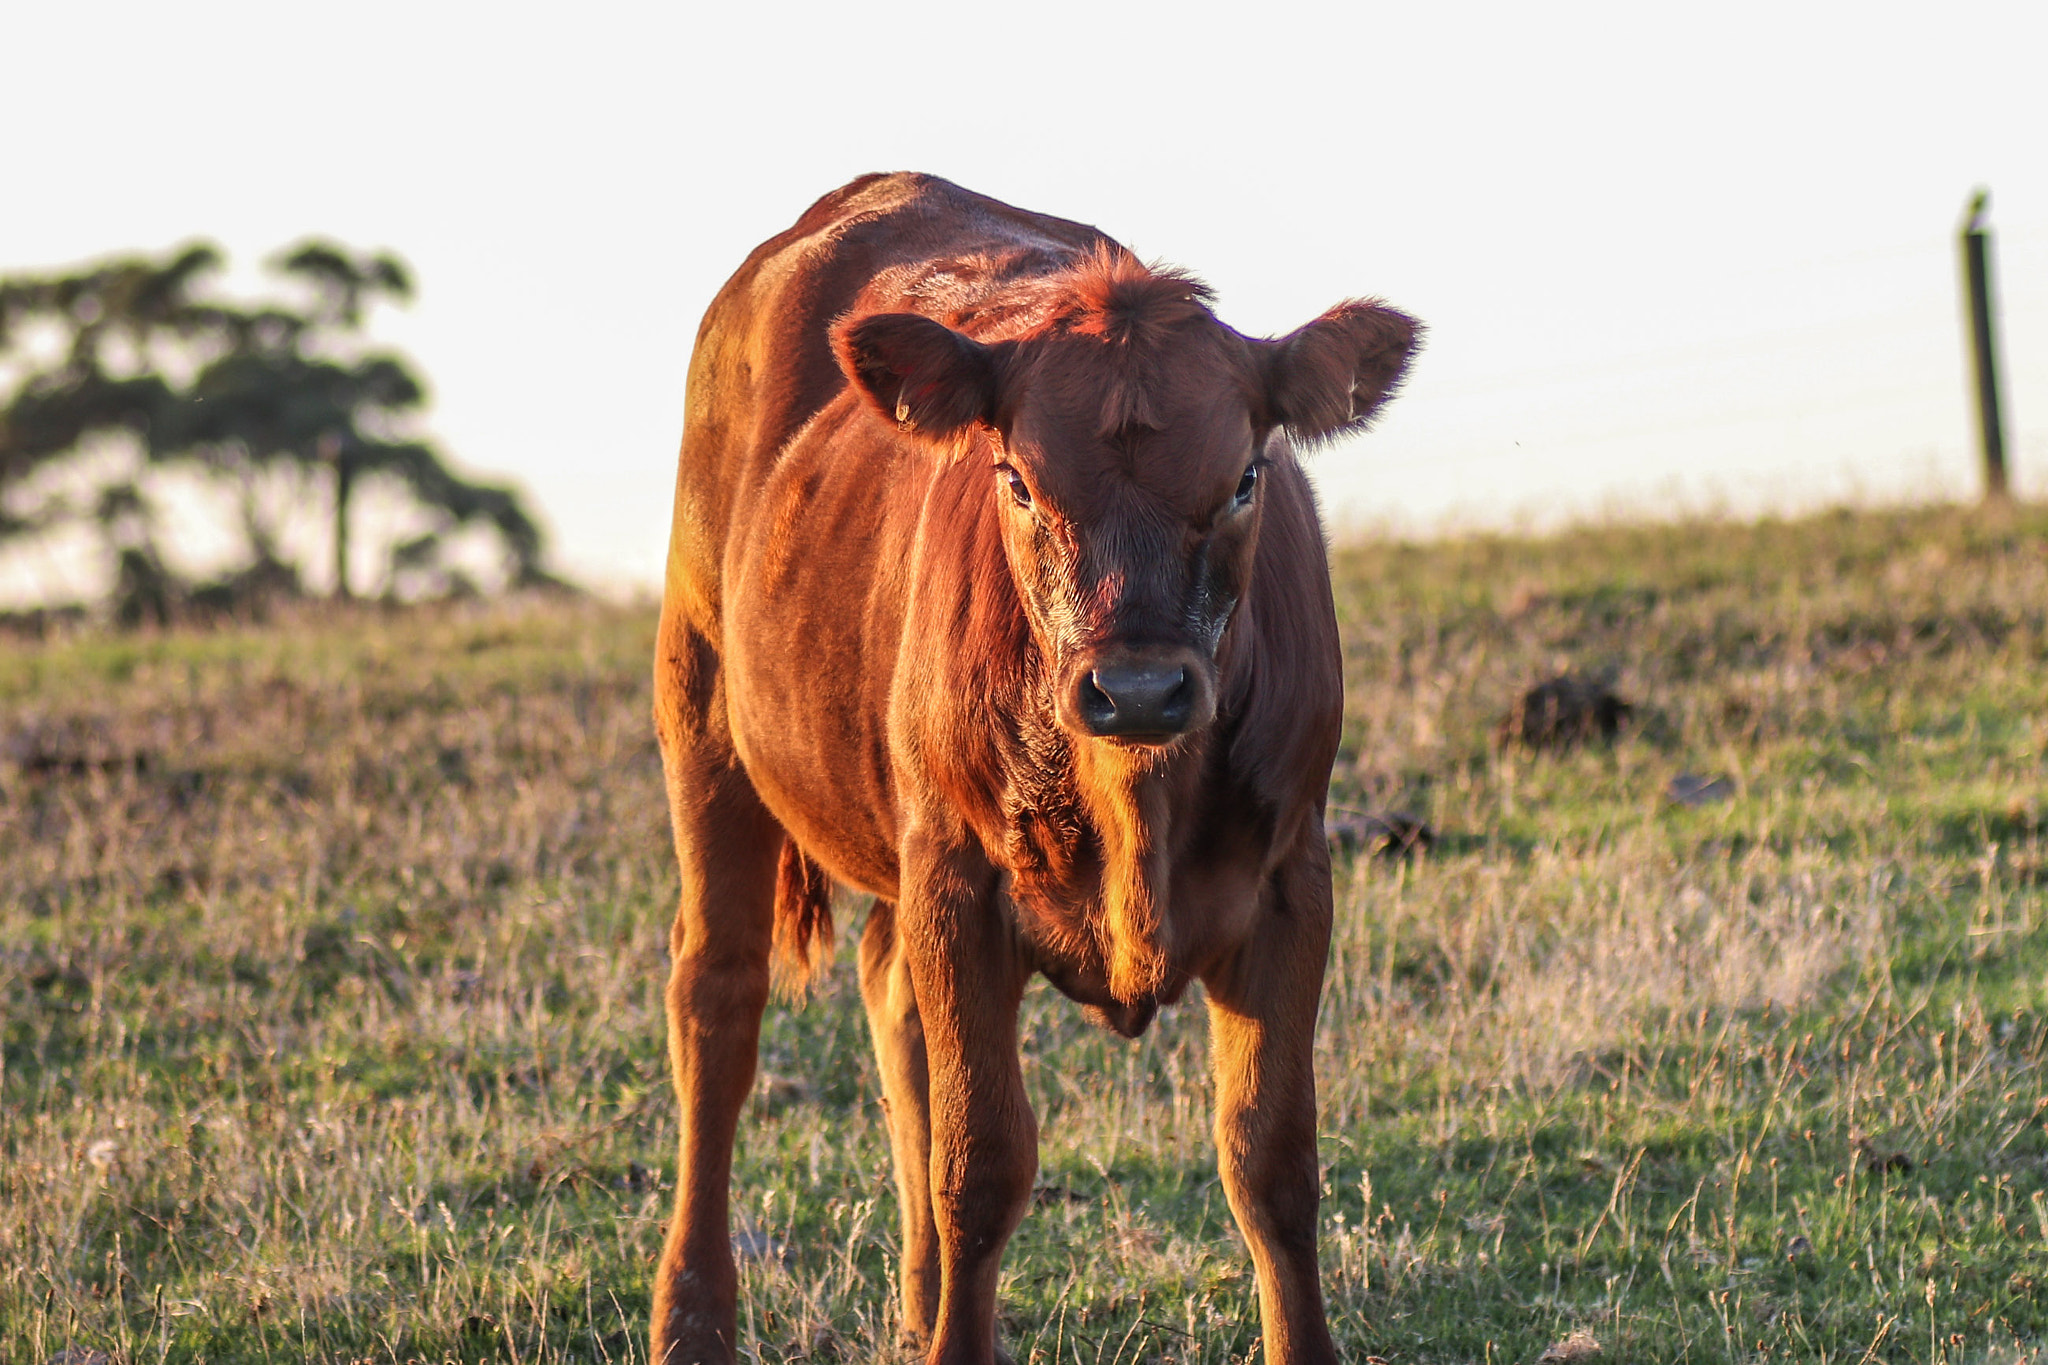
x=331 y=956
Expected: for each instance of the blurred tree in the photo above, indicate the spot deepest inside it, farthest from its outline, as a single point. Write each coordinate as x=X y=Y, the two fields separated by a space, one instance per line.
x=238 y=394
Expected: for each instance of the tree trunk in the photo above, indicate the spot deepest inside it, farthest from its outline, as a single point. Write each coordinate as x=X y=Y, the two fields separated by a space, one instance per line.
x=344 y=481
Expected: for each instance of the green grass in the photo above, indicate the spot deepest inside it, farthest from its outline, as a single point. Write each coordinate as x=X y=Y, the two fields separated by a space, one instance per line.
x=331 y=955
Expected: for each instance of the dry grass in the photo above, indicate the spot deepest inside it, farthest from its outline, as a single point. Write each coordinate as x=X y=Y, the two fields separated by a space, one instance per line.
x=330 y=961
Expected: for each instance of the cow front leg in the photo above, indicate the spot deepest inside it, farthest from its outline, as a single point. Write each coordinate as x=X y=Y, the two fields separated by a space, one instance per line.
x=727 y=846
x=968 y=972
x=898 y=1033
x=1262 y=1014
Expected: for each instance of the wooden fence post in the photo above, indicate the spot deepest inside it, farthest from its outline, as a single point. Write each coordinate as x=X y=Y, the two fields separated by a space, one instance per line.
x=1976 y=244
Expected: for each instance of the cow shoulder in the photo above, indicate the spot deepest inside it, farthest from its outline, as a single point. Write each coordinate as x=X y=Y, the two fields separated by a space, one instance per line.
x=1289 y=695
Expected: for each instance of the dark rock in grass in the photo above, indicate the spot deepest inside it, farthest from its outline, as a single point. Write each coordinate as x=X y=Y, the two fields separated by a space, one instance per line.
x=1564 y=712
x=1389 y=834
x=1690 y=789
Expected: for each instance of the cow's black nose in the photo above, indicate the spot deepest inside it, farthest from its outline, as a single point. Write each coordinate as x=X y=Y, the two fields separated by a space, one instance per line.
x=1136 y=701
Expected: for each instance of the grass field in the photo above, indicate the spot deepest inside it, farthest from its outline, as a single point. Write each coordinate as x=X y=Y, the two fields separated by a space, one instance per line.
x=331 y=956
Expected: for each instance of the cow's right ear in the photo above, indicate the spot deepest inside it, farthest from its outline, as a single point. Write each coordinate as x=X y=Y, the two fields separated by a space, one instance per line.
x=920 y=374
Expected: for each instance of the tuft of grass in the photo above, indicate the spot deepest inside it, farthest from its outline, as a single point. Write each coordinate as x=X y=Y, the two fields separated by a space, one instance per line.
x=331 y=962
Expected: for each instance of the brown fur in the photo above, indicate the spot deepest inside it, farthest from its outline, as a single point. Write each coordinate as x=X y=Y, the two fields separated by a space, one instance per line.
x=953 y=474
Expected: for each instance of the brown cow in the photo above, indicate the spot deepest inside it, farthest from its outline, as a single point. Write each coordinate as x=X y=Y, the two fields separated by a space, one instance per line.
x=995 y=591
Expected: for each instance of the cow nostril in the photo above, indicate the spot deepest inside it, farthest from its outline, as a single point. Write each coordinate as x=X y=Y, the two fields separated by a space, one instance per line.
x=1179 y=698
x=1158 y=692
x=1097 y=707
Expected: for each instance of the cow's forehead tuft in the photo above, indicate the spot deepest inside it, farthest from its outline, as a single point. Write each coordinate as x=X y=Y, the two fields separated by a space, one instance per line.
x=1113 y=295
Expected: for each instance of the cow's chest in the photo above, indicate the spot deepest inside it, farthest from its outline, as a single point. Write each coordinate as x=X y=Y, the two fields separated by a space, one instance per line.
x=1198 y=873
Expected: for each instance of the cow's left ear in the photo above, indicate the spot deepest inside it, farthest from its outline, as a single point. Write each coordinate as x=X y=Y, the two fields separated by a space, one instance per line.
x=1331 y=376
x=920 y=374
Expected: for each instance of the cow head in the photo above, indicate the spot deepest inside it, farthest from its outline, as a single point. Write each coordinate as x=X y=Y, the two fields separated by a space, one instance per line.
x=1126 y=438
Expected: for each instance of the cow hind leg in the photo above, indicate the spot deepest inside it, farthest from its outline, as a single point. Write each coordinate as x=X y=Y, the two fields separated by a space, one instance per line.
x=727 y=850
x=906 y=1100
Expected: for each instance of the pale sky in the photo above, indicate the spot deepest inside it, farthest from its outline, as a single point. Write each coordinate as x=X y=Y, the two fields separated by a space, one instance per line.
x=1671 y=257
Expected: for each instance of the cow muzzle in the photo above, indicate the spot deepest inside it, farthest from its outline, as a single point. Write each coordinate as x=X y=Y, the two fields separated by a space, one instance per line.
x=1140 y=696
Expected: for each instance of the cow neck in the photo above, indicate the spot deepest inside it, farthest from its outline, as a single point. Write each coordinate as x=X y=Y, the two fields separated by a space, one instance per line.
x=1088 y=835
x=1133 y=806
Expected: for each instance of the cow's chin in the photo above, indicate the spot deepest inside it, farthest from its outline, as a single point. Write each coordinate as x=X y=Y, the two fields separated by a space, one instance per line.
x=1140 y=745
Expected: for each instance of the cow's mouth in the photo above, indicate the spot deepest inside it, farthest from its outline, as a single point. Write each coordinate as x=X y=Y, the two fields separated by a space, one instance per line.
x=1156 y=741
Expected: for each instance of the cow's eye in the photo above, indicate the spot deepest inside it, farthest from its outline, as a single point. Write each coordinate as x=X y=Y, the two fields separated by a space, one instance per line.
x=1018 y=489
x=1246 y=484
